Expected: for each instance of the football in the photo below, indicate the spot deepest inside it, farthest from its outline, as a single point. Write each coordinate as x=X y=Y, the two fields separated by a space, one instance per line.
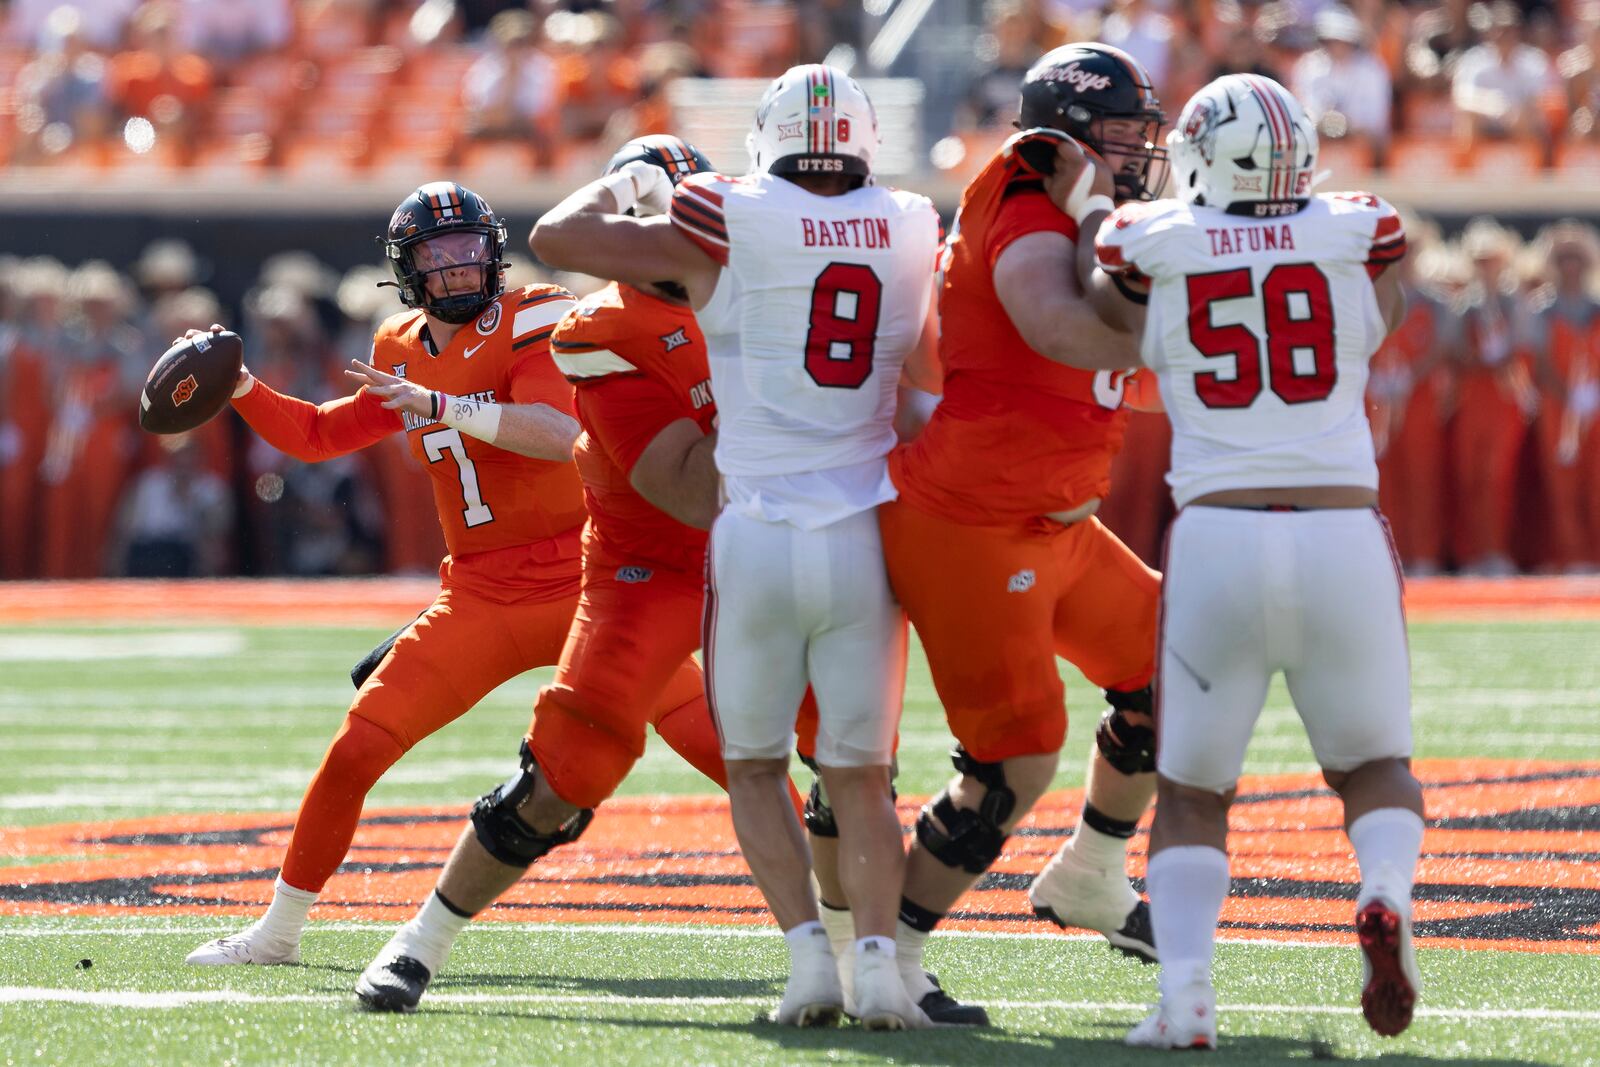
x=190 y=383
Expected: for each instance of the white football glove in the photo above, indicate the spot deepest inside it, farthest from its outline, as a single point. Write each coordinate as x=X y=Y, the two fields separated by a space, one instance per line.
x=640 y=186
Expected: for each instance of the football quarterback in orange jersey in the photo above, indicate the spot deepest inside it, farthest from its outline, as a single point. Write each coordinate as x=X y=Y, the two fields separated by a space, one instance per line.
x=636 y=359
x=992 y=545
x=466 y=374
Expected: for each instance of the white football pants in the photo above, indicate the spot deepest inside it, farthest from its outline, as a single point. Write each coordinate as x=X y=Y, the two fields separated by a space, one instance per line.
x=1314 y=594
x=787 y=607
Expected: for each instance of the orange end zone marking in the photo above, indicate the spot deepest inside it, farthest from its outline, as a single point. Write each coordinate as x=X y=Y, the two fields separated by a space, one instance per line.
x=1510 y=863
x=387 y=602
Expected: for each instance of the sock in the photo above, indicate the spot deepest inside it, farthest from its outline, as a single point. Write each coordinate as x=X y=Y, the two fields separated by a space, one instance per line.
x=1388 y=842
x=429 y=935
x=286 y=915
x=1187 y=887
x=803 y=938
x=880 y=944
x=331 y=809
x=1101 y=841
x=908 y=945
x=841 y=927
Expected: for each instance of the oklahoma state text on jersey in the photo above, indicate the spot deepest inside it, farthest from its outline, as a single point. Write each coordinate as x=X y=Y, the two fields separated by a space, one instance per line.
x=1016 y=435
x=638 y=363
x=488 y=499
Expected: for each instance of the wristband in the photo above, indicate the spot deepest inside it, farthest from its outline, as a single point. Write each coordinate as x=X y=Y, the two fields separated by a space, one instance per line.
x=1080 y=204
x=244 y=387
x=474 y=417
x=1098 y=202
x=623 y=188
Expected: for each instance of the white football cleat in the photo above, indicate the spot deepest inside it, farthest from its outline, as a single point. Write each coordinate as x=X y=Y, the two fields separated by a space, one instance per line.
x=1069 y=892
x=1187 y=1020
x=813 y=995
x=881 y=1000
x=250 y=945
x=1390 y=981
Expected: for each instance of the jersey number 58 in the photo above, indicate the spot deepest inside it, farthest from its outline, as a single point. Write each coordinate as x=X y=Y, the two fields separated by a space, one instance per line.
x=1304 y=325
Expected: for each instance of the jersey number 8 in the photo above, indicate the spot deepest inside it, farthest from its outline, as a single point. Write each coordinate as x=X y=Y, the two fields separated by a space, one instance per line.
x=1311 y=330
x=846 y=302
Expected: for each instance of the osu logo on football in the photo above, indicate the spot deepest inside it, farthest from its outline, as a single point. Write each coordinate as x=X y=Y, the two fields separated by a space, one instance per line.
x=185 y=391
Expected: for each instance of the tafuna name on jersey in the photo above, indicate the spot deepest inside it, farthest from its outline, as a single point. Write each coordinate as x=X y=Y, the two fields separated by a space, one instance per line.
x=416 y=422
x=845 y=233
x=1231 y=240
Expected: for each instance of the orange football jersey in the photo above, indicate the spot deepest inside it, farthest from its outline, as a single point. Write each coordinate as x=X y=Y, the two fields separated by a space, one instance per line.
x=638 y=363
x=488 y=499
x=1017 y=435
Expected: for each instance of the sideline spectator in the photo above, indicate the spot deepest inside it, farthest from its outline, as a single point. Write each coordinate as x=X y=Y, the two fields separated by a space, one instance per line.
x=228 y=30
x=1499 y=85
x=511 y=93
x=176 y=519
x=61 y=95
x=1003 y=55
x=102 y=21
x=1344 y=87
x=158 y=81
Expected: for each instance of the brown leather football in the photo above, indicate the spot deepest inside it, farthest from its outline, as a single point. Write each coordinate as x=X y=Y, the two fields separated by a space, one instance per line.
x=190 y=383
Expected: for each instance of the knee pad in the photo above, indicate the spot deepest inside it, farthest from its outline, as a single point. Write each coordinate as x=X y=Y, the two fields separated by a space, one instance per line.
x=818 y=815
x=970 y=840
x=1128 y=746
x=500 y=829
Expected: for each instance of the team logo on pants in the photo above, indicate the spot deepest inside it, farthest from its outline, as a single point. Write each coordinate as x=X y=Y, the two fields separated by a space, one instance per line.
x=1021 y=582
x=634 y=574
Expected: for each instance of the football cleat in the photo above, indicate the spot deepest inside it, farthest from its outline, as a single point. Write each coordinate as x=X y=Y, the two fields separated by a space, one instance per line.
x=393 y=983
x=944 y=1010
x=250 y=945
x=813 y=995
x=1073 y=894
x=881 y=1000
x=1186 y=1020
x=1390 y=980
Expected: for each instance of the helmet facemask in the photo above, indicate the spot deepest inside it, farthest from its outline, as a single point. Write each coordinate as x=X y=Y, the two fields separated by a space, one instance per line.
x=452 y=275
x=1138 y=165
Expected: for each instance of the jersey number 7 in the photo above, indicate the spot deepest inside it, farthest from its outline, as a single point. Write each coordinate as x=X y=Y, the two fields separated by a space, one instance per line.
x=435 y=444
x=1307 y=327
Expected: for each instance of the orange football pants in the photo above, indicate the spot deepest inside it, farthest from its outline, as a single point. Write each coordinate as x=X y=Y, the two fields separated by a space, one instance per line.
x=451 y=657
x=995 y=605
x=1487 y=438
x=627 y=664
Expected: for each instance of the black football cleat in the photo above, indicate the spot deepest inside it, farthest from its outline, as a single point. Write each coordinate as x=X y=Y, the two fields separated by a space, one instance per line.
x=1136 y=938
x=946 y=1010
x=394 y=983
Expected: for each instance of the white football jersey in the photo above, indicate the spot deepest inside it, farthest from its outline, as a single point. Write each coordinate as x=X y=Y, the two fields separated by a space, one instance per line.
x=821 y=299
x=1260 y=331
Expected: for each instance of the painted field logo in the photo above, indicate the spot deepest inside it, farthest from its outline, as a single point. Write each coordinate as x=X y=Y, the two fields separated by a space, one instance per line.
x=1510 y=862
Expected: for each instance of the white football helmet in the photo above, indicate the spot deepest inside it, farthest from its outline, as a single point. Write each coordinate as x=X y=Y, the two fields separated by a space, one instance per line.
x=814 y=120
x=1243 y=144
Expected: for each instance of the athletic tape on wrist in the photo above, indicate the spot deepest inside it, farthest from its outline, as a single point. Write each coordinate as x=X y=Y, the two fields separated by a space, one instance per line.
x=1098 y=202
x=623 y=188
x=245 y=386
x=473 y=417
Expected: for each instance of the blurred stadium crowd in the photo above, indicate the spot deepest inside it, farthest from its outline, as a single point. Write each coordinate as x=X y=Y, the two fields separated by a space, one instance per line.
x=1484 y=404
x=1412 y=84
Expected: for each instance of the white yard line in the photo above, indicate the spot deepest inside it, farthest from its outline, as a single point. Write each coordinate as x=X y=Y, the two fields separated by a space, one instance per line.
x=137 y=1000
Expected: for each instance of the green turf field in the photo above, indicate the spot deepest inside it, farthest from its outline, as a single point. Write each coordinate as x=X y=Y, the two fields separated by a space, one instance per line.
x=93 y=726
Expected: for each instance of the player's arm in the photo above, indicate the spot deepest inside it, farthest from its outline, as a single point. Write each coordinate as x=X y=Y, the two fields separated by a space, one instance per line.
x=312 y=432
x=1036 y=279
x=1391 y=299
x=921 y=378
x=677 y=473
x=589 y=232
x=538 y=431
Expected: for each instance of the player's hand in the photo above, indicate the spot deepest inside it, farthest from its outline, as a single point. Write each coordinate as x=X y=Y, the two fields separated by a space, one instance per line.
x=1066 y=187
x=397 y=394
x=651 y=185
x=191 y=334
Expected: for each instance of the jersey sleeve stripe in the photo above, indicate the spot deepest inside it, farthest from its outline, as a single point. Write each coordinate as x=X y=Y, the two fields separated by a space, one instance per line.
x=540 y=298
x=709 y=220
x=533 y=338
x=594 y=364
x=710 y=196
x=540 y=315
x=558 y=345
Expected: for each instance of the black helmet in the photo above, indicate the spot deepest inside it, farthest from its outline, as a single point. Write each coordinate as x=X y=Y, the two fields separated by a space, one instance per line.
x=672 y=154
x=433 y=210
x=1073 y=86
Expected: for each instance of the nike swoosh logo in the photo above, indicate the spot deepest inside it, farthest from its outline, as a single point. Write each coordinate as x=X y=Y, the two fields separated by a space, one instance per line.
x=468 y=353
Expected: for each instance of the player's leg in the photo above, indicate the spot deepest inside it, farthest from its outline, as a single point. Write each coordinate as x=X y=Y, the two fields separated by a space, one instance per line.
x=1215 y=663
x=982 y=600
x=447 y=660
x=755 y=655
x=626 y=640
x=856 y=661
x=1352 y=687
x=1105 y=624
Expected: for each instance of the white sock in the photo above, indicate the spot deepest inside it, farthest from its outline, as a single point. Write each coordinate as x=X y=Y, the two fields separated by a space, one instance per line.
x=840 y=923
x=807 y=939
x=1096 y=849
x=882 y=944
x=286 y=915
x=908 y=946
x=1187 y=887
x=1388 y=842
x=430 y=934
